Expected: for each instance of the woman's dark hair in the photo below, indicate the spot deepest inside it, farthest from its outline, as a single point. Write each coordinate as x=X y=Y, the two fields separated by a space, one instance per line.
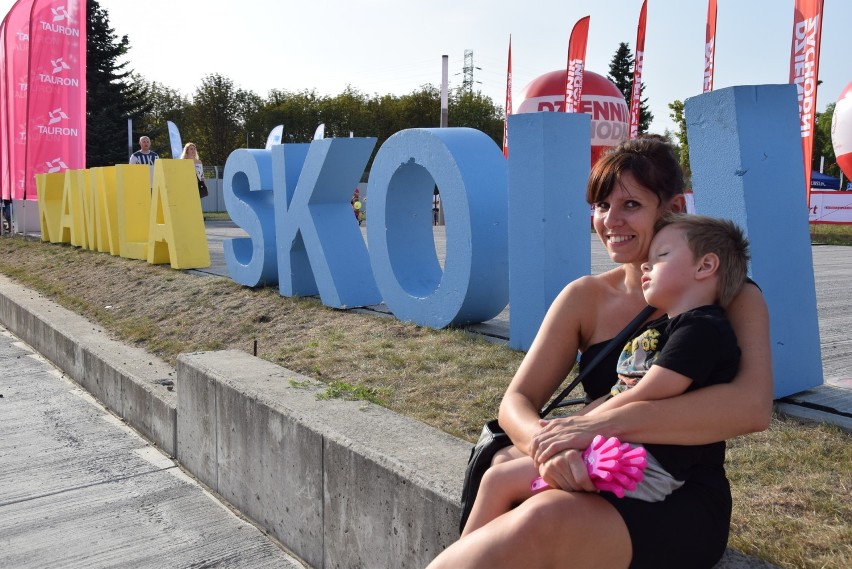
x=650 y=159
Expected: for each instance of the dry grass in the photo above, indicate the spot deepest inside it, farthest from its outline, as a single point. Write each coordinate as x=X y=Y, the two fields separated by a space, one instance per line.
x=791 y=484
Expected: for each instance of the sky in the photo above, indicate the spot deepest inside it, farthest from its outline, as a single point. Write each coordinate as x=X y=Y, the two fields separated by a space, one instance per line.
x=395 y=46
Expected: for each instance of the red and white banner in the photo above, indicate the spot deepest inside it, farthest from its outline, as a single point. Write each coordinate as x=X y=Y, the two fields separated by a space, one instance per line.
x=508 y=102
x=804 y=71
x=638 y=60
x=710 y=46
x=16 y=50
x=830 y=207
x=576 y=65
x=56 y=109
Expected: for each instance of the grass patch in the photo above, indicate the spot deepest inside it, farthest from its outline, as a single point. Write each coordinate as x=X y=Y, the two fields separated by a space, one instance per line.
x=350 y=392
x=830 y=234
x=792 y=484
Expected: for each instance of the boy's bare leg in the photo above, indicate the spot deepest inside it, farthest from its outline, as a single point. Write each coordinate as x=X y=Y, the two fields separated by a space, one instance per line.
x=503 y=487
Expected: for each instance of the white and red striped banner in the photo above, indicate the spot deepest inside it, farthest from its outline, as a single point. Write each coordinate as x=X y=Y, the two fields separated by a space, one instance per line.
x=576 y=65
x=56 y=109
x=638 y=60
x=804 y=72
x=710 y=46
x=508 y=102
x=830 y=207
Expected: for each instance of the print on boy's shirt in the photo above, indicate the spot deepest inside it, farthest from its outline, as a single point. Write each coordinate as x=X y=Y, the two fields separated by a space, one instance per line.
x=636 y=359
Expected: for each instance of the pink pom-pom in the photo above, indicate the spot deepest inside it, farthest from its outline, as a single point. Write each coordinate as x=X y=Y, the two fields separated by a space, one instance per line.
x=613 y=466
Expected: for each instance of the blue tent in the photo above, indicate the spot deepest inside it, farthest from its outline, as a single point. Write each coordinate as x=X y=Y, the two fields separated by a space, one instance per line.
x=823 y=182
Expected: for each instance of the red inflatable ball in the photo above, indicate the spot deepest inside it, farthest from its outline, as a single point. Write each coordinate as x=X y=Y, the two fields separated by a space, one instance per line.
x=601 y=99
x=841 y=131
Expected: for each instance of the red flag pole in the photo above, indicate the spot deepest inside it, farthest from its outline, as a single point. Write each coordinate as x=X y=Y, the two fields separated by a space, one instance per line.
x=638 y=60
x=508 y=102
x=804 y=73
x=576 y=65
x=710 y=46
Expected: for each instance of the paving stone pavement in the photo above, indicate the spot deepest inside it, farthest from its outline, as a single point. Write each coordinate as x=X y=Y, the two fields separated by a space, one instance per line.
x=80 y=489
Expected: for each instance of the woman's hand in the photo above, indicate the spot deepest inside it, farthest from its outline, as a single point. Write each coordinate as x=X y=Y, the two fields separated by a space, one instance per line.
x=558 y=435
x=567 y=470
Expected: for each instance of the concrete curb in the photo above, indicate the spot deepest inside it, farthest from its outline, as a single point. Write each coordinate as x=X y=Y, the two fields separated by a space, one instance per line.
x=340 y=483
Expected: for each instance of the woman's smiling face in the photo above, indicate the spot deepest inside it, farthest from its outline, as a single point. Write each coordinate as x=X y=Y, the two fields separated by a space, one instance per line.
x=625 y=220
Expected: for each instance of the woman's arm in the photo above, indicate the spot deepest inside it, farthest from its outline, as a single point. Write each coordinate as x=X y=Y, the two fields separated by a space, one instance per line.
x=548 y=361
x=707 y=415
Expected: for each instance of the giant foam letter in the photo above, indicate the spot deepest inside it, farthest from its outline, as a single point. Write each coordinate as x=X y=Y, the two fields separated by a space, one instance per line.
x=134 y=209
x=319 y=226
x=51 y=190
x=106 y=209
x=287 y=163
x=73 y=217
x=89 y=193
x=251 y=261
x=470 y=172
x=746 y=158
x=548 y=214
x=176 y=225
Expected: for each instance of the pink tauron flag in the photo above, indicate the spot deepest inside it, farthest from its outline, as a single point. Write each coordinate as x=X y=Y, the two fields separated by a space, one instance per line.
x=56 y=109
x=576 y=65
x=16 y=49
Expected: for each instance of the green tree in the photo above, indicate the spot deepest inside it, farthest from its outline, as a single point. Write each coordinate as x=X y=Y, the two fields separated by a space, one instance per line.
x=475 y=110
x=682 y=143
x=421 y=108
x=217 y=118
x=255 y=130
x=621 y=73
x=298 y=112
x=166 y=104
x=823 y=146
x=112 y=94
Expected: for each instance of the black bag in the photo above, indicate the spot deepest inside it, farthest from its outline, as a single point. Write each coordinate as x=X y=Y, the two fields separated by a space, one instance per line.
x=202 y=188
x=494 y=439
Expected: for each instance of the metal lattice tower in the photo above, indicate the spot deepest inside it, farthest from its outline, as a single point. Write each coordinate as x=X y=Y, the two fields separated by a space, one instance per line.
x=467 y=81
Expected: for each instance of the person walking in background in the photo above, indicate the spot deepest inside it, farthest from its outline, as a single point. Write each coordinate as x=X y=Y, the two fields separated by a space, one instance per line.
x=7 y=216
x=190 y=152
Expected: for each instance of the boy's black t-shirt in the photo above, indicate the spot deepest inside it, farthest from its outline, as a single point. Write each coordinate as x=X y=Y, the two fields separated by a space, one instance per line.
x=699 y=344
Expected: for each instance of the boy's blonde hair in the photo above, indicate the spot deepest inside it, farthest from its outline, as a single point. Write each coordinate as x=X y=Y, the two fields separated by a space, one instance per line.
x=719 y=236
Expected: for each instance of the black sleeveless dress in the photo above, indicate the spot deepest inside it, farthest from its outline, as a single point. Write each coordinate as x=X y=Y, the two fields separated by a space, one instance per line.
x=690 y=527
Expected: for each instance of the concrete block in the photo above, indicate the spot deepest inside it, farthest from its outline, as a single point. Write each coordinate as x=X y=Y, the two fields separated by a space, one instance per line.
x=196 y=423
x=548 y=214
x=378 y=512
x=271 y=466
x=322 y=476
